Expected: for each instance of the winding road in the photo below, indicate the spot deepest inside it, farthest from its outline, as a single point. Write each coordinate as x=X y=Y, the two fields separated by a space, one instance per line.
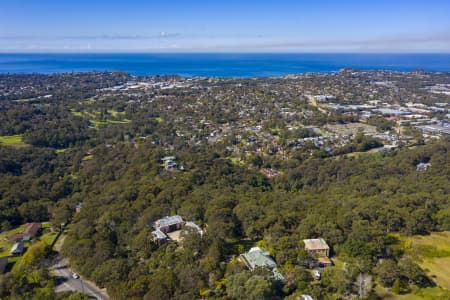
x=65 y=281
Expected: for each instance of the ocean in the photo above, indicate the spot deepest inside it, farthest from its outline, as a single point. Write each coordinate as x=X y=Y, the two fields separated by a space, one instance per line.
x=219 y=65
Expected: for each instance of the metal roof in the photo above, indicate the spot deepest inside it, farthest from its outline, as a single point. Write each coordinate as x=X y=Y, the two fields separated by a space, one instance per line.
x=257 y=257
x=315 y=244
x=167 y=221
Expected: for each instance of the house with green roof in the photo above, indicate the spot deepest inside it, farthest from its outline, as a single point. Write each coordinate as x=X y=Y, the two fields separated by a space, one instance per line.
x=259 y=258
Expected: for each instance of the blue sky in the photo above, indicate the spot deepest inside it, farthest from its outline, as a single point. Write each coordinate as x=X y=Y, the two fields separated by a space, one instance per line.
x=225 y=26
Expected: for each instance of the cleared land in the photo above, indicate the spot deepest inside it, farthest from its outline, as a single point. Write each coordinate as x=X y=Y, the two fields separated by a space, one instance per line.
x=95 y=115
x=434 y=249
x=11 y=140
x=432 y=253
x=46 y=236
x=351 y=128
x=5 y=245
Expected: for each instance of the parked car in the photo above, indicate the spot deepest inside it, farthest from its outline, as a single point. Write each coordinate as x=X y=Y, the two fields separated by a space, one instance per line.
x=75 y=276
x=316 y=274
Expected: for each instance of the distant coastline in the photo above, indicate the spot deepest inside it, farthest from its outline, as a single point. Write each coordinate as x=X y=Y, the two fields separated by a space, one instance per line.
x=219 y=64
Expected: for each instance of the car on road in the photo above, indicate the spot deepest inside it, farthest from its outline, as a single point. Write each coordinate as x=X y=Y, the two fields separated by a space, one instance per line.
x=75 y=276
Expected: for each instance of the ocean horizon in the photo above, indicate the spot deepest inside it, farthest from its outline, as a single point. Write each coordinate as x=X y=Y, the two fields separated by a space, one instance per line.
x=219 y=64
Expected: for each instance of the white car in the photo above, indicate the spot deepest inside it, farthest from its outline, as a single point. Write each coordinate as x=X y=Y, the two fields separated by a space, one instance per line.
x=75 y=276
x=316 y=274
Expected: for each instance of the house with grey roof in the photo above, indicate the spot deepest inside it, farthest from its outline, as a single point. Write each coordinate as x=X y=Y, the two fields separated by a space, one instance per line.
x=169 y=228
x=422 y=166
x=17 y=249
x=169 y=224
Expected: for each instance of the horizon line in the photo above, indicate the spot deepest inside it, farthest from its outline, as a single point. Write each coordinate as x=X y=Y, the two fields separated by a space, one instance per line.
x=223 y=52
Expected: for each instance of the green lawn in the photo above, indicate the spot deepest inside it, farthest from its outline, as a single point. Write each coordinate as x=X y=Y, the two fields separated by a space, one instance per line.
x=430 y=293
x=77 y=113
x=61 y=150
x=47 y=236
x=25 y=100
x=11 y=140
x=432 y=253
x=434 y=249
x=236 y=161
x=4 y=243
x=124 y=121
x=98 y=123
x=88 y=157
x=115 y=113
x=90 y=101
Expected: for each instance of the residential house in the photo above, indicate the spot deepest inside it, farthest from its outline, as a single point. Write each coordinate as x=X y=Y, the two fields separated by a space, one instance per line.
x=169 y=228
x=422 y=166
x=258 y=258
x=17 y=249
x=317 y=247
x=170 y=164
x=169 y=224
x=31 y=230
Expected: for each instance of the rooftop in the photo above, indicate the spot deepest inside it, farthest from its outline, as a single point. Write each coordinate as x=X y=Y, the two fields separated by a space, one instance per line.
x=256 y=257
x=316 y=244
x=167 y=221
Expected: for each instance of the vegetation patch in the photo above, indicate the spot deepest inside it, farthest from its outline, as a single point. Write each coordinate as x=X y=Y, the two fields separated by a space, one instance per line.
x=433 y=252
x=115 y=113
x=88 y=157
x=11 y=140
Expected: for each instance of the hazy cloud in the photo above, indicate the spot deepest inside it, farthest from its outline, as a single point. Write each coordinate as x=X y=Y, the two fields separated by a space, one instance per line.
x=161 y=35
x=239 y=42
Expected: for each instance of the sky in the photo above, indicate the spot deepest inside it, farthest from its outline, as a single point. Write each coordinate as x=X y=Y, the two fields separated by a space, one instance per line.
x=225 y=26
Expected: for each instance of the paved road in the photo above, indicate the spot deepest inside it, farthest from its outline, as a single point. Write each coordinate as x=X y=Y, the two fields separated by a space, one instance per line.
x=66 y=282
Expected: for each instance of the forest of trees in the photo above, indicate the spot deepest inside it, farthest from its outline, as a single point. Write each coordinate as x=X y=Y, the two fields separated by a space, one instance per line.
x=115 y=171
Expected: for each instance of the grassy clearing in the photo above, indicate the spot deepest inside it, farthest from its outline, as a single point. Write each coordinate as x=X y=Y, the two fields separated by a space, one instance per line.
x=439 y=269
x=61 y=150
x=99 y=123
x=5 y=245
x=95 y=115
x=430 y=293
x=76 y=113
x=434 y=249
x=90 y=101
x=87 y=157
x=432 y=253
x=159 y=119
x=124 y=121
x=236 y=161
x=47 y=236
x=25 y=100
x=11 y=140
x=115 y=113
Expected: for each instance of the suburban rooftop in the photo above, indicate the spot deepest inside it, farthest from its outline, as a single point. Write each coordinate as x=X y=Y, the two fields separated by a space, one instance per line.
x=316 y=244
